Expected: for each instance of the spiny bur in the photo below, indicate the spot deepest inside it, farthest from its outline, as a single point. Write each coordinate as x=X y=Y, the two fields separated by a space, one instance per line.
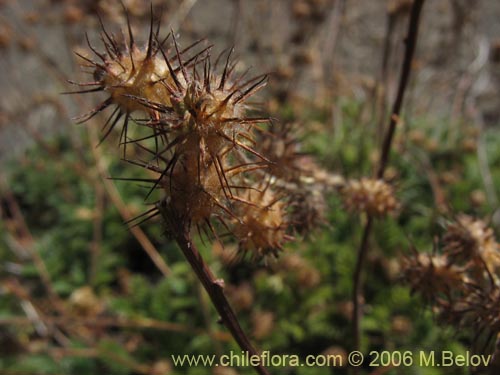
x=203 y=144
x=372 y=196
x=461 y=282
x=470 y=241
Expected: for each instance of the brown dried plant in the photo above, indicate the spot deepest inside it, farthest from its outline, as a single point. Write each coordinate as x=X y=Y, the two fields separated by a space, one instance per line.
x=371 y=196
x=201 y=146
x=461 y=282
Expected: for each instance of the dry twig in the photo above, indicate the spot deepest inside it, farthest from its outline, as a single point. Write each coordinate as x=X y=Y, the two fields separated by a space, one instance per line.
x=411 y=42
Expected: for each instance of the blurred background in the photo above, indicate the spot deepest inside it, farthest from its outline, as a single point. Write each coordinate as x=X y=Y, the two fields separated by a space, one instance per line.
x=80 y=293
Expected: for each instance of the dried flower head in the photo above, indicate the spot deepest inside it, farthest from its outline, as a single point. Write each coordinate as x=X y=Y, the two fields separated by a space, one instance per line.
x=132 y=76
x=296 y=174
x=261 y=228
x=282 y=147
x=308 y=209
x=470 y=242
x=461 y=284
x=481 y=310
x=432 y=276
x=375 y=197
x=202 y=145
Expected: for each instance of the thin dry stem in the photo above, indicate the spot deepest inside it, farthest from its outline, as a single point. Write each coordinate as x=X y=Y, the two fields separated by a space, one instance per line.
x=214 y=287
x=411 y=42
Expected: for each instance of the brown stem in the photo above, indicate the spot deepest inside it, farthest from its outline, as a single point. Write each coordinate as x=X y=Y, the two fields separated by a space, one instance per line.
x=381 y=88
x=357 y=292
x=411 y=42
x=213 y=286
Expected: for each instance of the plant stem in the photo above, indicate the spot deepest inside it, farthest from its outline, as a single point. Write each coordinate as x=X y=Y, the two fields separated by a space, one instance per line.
x=411 y=42
x=213 y=286
x=357 y=292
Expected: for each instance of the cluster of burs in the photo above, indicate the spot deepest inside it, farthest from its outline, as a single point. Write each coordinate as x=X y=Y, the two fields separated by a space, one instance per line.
x=220 y=169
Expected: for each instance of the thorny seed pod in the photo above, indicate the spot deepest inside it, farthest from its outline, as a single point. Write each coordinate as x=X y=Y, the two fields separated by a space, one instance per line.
x=130 y=75
x=462 y=283
x=308 y=209
x=205 y=153
x=432 y=276
x=283 y=149
x=261 y=228
x=478 y=309
x=375 y=197
x=471 y=242
x=297 y=174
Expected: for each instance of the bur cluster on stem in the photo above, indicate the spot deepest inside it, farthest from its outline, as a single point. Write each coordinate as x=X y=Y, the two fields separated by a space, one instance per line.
x=206 y=151
x=461 y=280
x=219 y=168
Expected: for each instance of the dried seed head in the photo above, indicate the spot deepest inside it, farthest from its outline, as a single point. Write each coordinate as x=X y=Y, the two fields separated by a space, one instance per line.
x=432 y=276
x=466 y=236
x=205 y=152
x=297 y=174
x=209 y=138
x=282 y=147
x=194 y=193
x=133 y=74
x=459 y=243
x=262 y=224
x=471 y=242
x=375 y=197
x=478 y=310
x=133 y=77
x=460 y=285
x=213 y=116
x=308 y=210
